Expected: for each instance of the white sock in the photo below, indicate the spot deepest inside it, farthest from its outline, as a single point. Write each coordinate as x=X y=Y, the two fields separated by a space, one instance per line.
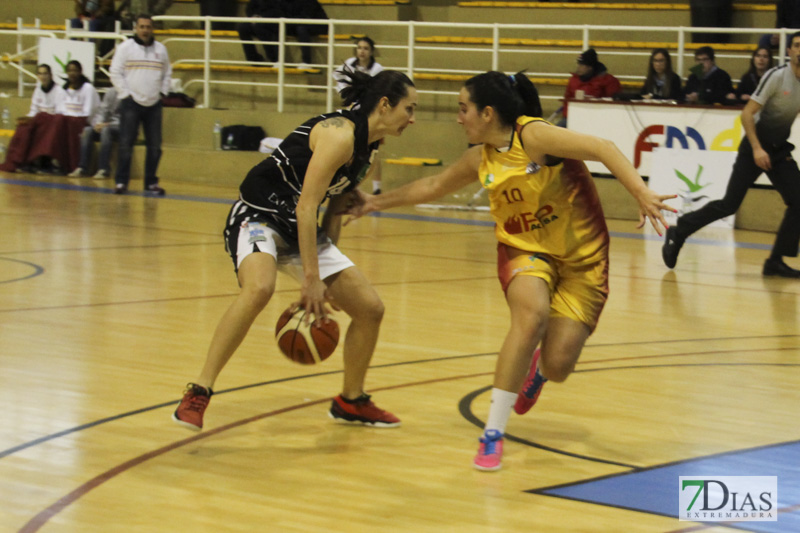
x=375 y=185
x=500 y=410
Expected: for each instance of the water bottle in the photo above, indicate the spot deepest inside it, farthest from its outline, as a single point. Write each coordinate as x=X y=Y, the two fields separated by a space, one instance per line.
x=217 y=135
x=6 y=120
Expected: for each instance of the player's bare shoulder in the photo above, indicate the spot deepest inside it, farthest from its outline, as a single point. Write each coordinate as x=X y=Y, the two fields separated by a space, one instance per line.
x=336 y=123
x=333 y=130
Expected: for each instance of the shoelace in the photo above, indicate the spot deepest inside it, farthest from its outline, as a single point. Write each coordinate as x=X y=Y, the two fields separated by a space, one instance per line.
x=197 y=403
x=489 y=446
x=534 y=385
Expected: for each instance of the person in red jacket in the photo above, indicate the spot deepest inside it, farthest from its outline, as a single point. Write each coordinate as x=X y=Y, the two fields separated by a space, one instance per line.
x=592 y=78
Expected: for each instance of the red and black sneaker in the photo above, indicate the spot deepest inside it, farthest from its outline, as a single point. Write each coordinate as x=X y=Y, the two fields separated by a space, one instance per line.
x=189 y=413
x=361 y=411
x=532 y=388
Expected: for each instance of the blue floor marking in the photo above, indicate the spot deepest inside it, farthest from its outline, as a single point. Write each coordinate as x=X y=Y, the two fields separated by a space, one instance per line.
x=656 y=490
x=396 y=216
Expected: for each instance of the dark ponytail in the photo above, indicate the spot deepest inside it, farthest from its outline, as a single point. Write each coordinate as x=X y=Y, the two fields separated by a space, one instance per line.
x=510 y=96
x=366 y=91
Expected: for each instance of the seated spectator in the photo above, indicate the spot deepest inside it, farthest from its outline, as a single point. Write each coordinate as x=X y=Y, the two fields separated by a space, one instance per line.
x=661 y=83
x=787 y=15
x=47 y=96
x=52 y=141
x=760 y=63
x=263 y=32
x=104 y=126
x=364 y=61
x=708 y=84
x=305 y=9
x=100 y=14
x=592 y=78
x=128 y=9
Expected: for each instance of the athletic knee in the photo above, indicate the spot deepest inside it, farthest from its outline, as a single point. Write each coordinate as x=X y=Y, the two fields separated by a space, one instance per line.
x=369 y=309
x=557 y=371
x=258 y=293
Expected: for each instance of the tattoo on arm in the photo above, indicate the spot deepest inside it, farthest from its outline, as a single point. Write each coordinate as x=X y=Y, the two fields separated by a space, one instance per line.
x=333 y=122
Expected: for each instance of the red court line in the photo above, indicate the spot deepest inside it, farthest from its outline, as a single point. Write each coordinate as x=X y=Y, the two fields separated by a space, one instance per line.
x=684 y=354
x=41 y=518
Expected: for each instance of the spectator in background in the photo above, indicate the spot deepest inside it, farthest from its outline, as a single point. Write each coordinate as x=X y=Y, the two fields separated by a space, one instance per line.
x=364 y=61
x=591 y=78
x=51 y=142
x=262 y=31
x=661 y=83
x=48 y=99
x=141 y=74
x=760 y=63
x=104 y=127
x=129 y=9
x=305 y=9
x=787 y=15
x=47 y=96
x=219 y=8
x=708 y=84
x=100 y=14
x=767 y=119
x=711 y=14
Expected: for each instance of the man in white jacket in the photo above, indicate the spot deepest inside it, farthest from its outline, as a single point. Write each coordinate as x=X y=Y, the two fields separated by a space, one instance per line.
x=141 y=73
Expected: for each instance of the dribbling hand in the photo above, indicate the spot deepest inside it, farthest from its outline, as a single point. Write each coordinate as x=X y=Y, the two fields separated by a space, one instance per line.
x=650 y=206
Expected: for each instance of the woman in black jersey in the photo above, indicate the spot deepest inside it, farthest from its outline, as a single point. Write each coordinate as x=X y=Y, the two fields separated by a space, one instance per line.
x=273 y=226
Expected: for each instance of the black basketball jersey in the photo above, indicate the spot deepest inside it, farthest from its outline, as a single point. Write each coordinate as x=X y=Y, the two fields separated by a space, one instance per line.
x=273 y=186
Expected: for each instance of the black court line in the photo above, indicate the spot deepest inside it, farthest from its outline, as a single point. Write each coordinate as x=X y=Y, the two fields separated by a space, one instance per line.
x=390 y=215
x=465 y=408
x=52 y=436
x=76 y=429
x=37 y=270
x=41 y=518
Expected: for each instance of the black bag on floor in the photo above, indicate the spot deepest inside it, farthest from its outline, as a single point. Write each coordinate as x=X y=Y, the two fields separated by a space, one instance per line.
x=241 y=137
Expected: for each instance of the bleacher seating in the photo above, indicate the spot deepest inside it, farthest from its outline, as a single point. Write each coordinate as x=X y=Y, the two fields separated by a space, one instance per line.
x=187 y=133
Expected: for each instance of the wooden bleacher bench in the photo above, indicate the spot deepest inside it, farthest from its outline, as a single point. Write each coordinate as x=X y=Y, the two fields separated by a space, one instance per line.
x=244 y=69
x=429 y=76
x=338 y=2
x=606 y=5
x=576 y=43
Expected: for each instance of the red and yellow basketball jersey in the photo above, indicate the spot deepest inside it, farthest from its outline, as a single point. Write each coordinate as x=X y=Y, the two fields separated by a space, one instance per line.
x=552 y=210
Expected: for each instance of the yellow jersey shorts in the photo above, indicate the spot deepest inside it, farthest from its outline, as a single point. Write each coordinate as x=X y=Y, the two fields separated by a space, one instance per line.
x=576 y=292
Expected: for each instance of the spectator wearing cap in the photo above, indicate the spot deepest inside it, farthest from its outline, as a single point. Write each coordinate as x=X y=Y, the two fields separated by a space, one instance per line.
x=591 y=77
x=708 y=84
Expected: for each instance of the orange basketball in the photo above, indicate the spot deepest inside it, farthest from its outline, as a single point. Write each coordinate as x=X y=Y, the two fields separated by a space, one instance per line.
x=303 y=343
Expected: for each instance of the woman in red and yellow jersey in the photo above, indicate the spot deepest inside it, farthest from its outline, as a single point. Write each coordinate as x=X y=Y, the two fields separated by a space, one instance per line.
x=552 y=251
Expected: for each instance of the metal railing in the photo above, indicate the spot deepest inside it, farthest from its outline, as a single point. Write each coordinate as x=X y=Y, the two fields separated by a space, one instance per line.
x=404 y=43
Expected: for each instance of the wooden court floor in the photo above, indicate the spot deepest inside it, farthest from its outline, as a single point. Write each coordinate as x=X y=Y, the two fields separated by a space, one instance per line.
x=107 y=304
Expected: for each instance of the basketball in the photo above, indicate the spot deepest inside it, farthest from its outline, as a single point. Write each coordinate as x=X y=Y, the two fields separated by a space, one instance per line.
x=303 y=343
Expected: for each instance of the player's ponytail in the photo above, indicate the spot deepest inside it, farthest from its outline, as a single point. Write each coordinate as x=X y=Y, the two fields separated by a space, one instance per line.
x=510 y=96
x=366 y=91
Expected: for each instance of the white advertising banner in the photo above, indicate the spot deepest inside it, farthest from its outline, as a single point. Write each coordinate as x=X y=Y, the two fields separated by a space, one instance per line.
x=639 y=128
x=58 y=52
x=696 y=176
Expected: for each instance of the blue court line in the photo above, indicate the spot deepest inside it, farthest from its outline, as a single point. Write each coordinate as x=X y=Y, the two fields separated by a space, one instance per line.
x=395 y=216
x=655 y=490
